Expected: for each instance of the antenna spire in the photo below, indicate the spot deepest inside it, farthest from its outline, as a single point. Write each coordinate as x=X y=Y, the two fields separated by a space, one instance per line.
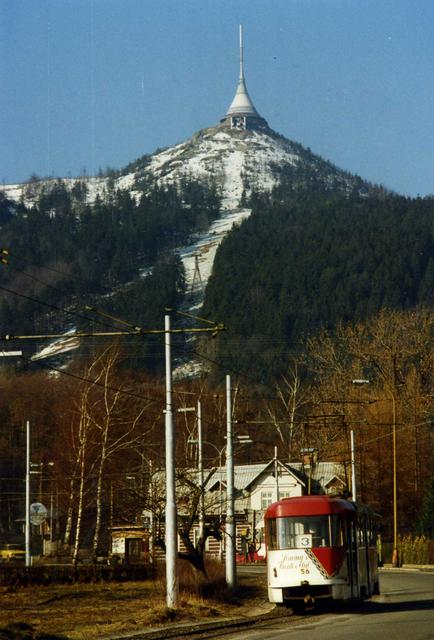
x=242 y=113
x=241 y=54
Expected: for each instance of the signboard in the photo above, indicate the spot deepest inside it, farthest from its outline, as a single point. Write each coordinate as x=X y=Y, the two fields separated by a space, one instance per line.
x=38 y=513
x=118 y=546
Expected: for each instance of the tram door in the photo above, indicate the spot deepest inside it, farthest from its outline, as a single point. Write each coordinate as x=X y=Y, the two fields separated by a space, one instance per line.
x=353 y=572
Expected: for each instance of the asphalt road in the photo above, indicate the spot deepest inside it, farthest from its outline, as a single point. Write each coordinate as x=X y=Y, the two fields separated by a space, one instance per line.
x=403 y=611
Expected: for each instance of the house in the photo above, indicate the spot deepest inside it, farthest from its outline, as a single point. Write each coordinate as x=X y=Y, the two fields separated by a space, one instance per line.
x=256 y=486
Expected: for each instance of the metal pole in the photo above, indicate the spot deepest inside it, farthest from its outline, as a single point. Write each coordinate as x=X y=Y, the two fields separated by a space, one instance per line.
x=353 y=467
x=27 y=515
x=276 y=474
x=200 y=466
x=230 y=521
x=51 y=513
x=171 y=533
x=151 y=515
x=395 y=554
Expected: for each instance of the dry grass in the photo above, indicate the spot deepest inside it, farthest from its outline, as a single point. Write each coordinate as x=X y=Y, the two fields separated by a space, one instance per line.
x=88 y=611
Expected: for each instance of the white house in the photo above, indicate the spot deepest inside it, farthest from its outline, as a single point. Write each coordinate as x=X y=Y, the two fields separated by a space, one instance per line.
x=256 y=487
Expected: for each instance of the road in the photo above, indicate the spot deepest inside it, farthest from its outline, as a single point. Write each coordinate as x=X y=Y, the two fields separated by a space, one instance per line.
x=403 y=611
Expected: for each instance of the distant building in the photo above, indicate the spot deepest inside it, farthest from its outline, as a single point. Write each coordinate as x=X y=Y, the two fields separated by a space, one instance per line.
x=242 y=113
x=256 y=487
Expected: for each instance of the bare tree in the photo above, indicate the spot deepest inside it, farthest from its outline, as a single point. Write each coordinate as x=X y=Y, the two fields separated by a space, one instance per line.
x=104 y=426
x=285 y=414
x=115 y=426
x=394 y=354
x=189 y=492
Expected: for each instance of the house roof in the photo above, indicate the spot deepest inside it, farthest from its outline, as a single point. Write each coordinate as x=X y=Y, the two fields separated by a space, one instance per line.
x=322 y=472
x=246 y=475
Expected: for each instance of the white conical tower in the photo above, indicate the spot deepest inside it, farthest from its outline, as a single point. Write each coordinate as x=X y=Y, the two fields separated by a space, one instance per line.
x=242 y=113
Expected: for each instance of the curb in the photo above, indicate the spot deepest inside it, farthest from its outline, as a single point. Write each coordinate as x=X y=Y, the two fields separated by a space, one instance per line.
x=409 y=567
x=194 y=628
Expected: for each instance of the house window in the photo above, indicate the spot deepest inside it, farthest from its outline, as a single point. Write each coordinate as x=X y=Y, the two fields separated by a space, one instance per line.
x=266 y=499
x=284 y=494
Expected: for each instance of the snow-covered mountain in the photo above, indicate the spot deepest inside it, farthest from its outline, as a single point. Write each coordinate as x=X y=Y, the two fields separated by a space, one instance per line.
x=239 y=161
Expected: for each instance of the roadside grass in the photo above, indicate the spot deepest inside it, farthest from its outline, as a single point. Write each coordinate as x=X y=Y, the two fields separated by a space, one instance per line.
x=89 y=611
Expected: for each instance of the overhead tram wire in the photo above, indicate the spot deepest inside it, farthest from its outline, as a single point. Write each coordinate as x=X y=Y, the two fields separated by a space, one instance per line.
x=111 y=388
x=80 y=316
x=181 y=313
x=75 y=376
x=55 y=307
x=72 y=277
x=227 y=369
x=220 y=365
x=137 y=332
x=29 y=275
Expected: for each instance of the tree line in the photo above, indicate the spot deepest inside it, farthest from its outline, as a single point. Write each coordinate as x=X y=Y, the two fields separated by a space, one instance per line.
x=303 y=262
x=102 y=424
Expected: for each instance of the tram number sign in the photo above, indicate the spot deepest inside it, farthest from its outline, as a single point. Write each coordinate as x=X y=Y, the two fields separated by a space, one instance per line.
x=304 y=541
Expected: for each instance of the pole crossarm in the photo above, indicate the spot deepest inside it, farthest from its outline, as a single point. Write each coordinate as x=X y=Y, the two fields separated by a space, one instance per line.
x=109 y=334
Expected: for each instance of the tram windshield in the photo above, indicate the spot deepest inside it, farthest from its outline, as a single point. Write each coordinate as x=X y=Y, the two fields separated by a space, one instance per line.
x=304 y=532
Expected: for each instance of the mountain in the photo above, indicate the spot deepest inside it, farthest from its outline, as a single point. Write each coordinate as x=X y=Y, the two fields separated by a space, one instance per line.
x=240 y=162
x=111 y=235
x=236 y=162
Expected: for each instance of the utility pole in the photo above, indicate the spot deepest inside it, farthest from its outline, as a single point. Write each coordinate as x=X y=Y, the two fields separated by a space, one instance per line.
x=27 y=516
x=395 y=553
x=230 y=520
x=276 y=474
x=200 y=466
x=353 y=467
x=171 y=533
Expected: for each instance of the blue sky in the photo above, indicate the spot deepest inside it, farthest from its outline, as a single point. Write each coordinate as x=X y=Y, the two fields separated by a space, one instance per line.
x=87 y=84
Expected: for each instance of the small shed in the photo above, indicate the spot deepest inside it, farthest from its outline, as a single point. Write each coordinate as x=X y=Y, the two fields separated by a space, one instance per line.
x=130 y=542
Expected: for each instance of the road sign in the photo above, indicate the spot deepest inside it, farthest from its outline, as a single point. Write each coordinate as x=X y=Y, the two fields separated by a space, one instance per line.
x=38 y=513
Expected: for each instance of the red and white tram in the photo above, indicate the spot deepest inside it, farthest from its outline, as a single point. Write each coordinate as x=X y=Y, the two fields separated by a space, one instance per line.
x=320 y=547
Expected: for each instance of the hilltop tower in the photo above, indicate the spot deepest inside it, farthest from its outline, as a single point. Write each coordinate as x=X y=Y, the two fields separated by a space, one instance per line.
x=242 y=113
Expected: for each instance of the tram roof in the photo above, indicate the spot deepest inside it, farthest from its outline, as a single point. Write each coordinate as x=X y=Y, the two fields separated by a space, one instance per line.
x=310 y=506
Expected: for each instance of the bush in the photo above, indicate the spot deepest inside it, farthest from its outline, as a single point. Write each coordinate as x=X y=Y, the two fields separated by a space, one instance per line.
x=414 y=549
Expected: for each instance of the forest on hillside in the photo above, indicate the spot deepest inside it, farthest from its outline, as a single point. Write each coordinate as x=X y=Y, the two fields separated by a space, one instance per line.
x=305 y=262
x=115 y=254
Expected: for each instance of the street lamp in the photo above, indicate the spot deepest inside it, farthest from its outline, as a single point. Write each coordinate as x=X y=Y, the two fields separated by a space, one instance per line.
x=395 y=553
x=198 y=410
x=357 y=381
x=219 y=453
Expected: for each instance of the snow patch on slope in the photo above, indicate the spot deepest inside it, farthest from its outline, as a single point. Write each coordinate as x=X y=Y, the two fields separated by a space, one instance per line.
x=235 y=160
x=202 y=251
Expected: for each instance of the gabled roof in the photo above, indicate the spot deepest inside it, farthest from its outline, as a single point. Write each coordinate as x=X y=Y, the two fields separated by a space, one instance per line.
x=322 y=472
x=246 y=475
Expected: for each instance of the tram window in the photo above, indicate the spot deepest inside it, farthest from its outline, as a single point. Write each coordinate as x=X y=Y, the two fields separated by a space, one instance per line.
x=336 y=531
x=298 y=532
x=372 y=533
x=271 y=534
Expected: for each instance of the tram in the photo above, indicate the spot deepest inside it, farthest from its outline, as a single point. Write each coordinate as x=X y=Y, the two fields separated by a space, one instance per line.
x=320 y=547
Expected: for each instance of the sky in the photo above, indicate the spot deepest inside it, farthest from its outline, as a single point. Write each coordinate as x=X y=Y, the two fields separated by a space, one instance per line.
x=91 y=84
